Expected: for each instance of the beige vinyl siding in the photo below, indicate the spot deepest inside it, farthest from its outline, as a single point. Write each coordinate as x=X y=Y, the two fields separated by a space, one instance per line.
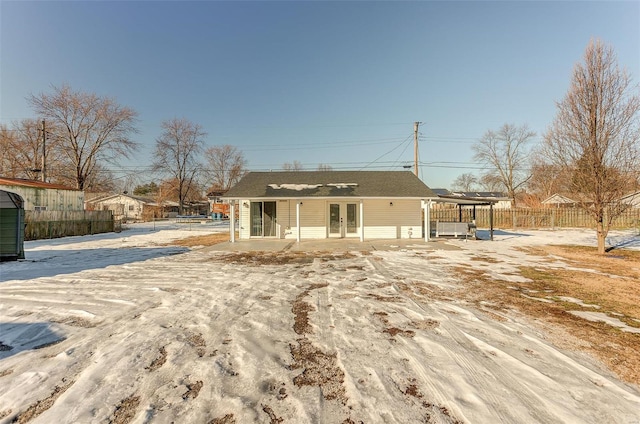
x=402 y=220
x=286 y=213
x=313 y=220
x=244 y=218
x=381 y=220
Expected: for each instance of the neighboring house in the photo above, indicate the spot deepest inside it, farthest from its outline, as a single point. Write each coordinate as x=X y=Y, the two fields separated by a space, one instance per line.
x=632 y=199
x=217 y=206
x=202 y=207
x=124 y=206
x=328 y=204
x=558 y=200
x=137 y=208
x=41 y=196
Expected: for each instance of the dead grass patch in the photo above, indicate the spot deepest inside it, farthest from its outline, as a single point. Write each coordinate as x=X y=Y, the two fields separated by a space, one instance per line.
x=488 y=259
x=159 y=361
x=421 y=291
x=319 y=368
x=125 y=410
x=206 y=240
x=380 y=298
x=392 y=331
x=301 y=310
x=434 y=413
x=227 y=419
x=42 y=405
x=426 y=324
x=76 y=322
x=197 y=341
x=613 y=287
x=255 y=258
x=273 y=418
x=193 y=390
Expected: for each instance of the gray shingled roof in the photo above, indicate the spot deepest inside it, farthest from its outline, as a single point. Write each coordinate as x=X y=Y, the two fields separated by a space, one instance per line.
x=329 y=184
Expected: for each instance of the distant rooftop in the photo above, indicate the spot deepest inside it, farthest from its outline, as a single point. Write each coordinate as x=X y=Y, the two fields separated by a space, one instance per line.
x=21 y=182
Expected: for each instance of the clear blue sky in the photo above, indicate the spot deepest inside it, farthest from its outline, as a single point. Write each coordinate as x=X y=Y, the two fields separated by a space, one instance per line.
x=338 y=83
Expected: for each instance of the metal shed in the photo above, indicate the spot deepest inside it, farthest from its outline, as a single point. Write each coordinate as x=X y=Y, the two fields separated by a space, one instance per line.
x=11 y=226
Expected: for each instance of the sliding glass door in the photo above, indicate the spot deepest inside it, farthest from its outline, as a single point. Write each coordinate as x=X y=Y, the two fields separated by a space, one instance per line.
x=263 y=219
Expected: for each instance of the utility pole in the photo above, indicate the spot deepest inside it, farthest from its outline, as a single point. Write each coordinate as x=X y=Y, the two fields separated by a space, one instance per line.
x=415 y=147
x=44 y=153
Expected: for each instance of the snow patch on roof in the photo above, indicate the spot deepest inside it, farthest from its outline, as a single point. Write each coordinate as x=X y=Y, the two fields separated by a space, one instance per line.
x=296 y=187
x=342 y=185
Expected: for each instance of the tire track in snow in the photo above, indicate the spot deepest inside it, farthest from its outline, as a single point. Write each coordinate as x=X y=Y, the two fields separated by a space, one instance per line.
x=518 y=375
x=468 y=358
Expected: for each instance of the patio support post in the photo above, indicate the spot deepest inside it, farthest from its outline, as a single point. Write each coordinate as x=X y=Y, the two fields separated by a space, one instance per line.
x=232 y=220
x=427 y=220
x=298 y=221
x=491 y=220
x=361 y=220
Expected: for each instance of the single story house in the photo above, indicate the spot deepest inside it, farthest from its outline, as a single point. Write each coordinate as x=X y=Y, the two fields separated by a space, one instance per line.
x=632 y=199
x=136 y=208
x=41 y=196
x=558 y=200
x=329 y=204
x=123 y=206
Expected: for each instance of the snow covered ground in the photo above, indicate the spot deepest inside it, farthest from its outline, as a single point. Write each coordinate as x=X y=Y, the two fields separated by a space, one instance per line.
x=126 y=328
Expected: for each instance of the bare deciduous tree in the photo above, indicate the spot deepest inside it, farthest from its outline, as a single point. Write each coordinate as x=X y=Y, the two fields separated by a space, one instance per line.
x=26 y=149
x=22 y=151
x=88 y=129
x=225 y=166
x=176 y=154
x=324 y=167
x=546 y=179
x=8 y=166
x=491 y=182
x=465 y=182
x=595 y=136
x=505 y=152
x=293 y=166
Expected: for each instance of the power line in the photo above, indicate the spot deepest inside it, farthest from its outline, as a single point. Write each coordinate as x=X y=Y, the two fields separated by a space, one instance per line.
x=383 y=155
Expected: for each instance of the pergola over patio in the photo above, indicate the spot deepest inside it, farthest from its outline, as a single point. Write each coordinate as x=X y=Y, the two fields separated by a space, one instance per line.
x=460 y=202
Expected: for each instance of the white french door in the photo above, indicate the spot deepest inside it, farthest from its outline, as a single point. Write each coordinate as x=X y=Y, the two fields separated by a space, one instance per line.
x=343 y=219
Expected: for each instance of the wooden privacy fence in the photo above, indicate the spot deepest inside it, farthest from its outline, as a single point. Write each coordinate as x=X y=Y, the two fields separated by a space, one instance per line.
x=53 y=224
x=535 y=218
